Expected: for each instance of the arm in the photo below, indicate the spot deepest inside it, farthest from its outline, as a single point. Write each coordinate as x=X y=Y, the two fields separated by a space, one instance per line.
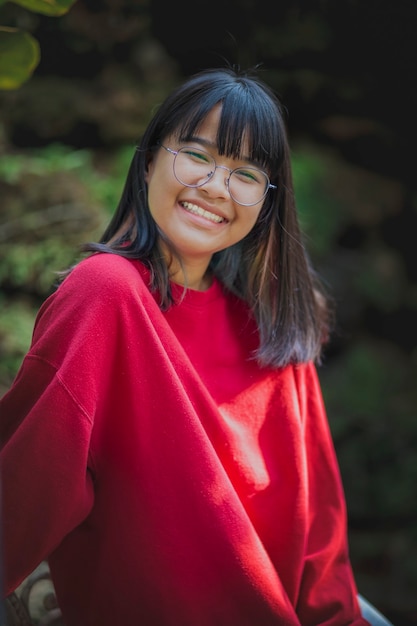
x=46 y=424
x=328 y=594
x=46 y=484
x=50 y=416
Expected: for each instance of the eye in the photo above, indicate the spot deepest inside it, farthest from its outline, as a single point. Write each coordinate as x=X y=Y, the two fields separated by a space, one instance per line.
x=250 y=175
x=197 y=155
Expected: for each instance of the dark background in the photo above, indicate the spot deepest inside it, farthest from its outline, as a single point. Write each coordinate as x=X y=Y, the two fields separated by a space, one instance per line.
x=346 y=73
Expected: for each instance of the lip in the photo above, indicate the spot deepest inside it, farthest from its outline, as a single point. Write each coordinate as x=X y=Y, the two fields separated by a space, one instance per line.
x=201 y=208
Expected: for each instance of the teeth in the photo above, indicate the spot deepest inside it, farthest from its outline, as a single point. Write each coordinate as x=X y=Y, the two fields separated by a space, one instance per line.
x=197 y=210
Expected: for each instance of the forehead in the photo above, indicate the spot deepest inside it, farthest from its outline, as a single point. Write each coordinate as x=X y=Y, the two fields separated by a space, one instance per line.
x=209 y=126
x=209 y=130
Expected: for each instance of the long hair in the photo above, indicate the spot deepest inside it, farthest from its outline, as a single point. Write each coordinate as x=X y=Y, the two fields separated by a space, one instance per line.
x=269 y=268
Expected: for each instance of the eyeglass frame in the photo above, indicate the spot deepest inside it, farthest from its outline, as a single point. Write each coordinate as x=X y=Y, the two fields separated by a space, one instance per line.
x=269 y=185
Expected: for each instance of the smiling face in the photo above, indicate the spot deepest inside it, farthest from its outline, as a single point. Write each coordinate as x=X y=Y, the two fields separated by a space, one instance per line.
x=198 y=221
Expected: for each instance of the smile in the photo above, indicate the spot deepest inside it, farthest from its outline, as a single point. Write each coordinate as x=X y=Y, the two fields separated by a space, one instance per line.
x=197 y=210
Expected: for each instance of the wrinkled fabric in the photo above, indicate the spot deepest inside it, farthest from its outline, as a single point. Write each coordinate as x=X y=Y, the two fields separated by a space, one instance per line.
x=168 y=479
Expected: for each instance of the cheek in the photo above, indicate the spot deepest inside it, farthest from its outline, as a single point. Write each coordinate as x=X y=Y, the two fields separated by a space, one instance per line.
x=248 y=224
x=255 y=215
x=159 y=176
x=156 y=185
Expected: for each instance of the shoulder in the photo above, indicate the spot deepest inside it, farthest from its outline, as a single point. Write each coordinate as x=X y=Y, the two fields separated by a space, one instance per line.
x=102 y=285
x=102 y=293
x=105 y=275
x=107 y=267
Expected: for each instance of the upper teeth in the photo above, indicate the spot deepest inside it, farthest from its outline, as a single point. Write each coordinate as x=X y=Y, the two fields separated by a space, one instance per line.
x=193 y=208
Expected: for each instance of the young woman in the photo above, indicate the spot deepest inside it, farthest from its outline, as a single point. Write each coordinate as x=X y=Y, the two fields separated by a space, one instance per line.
x=165 y=444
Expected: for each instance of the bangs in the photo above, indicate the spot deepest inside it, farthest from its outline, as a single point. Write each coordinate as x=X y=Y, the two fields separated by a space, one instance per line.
x=250 y=127
x=251 y=124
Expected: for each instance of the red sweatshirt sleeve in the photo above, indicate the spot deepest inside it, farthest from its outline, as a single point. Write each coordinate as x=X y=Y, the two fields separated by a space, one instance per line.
x=47 y=418
x=328 y=594
x=46 y=427
x=46 y=485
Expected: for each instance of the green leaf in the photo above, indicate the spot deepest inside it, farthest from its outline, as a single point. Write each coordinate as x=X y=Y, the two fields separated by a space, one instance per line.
x=46 y=7
x=19 y=56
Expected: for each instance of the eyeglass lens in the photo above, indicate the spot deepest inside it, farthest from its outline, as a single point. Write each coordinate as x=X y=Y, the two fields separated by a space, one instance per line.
x=194 y=168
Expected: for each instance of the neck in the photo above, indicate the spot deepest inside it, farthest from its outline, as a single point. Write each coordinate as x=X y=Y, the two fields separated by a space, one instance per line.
x=192 y=280
x=192 y=273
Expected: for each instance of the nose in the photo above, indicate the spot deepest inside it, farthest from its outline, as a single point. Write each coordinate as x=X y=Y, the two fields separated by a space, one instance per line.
x=218 y=183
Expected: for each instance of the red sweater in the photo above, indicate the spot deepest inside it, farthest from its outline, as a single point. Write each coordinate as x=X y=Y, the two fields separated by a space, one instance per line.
x=168 y=479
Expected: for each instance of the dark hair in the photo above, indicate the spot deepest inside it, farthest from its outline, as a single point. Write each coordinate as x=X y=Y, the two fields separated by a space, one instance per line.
x=269 y=268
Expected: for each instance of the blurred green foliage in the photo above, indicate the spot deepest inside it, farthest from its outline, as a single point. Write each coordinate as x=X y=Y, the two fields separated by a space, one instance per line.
x=55 y=199
x=321 y=215
x=103 y=175
x=16 y=324
x=20 y=51
x=19 y=56
x=51 y=8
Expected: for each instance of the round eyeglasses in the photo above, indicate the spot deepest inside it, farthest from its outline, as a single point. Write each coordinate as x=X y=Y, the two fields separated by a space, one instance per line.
x=194 y=168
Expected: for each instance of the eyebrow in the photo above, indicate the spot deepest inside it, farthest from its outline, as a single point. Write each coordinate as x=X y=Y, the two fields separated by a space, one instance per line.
x=206 y=143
